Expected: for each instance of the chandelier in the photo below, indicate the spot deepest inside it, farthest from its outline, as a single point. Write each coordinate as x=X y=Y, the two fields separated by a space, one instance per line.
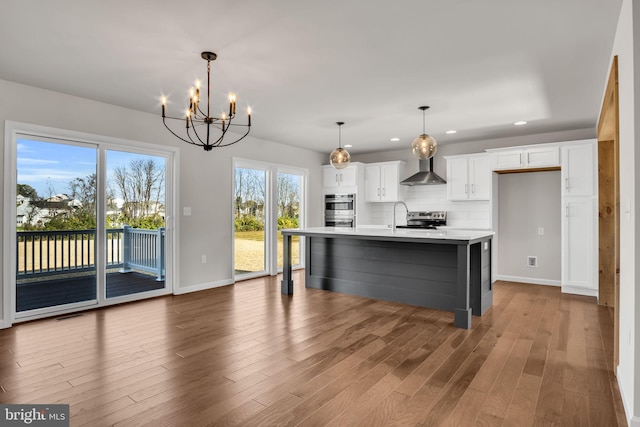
x=203 y=129
x=424 y=146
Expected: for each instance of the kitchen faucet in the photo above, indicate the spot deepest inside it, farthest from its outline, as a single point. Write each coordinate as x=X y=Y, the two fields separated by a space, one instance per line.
x=393 y=224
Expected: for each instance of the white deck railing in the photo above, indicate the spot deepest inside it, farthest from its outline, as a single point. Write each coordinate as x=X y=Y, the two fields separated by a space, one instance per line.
x=45 y=253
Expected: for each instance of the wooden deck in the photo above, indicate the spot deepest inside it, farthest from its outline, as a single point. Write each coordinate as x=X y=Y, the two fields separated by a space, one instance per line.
x=59 y=291
x=247 y=355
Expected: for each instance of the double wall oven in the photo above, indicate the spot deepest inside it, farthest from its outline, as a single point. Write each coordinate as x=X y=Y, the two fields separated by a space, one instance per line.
x=340 y=210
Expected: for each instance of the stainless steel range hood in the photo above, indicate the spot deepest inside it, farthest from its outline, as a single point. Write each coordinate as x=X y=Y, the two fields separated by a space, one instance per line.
x=426 y=176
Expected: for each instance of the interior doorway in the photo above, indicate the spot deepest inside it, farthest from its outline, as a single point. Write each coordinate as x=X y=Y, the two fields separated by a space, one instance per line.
x=609 y=202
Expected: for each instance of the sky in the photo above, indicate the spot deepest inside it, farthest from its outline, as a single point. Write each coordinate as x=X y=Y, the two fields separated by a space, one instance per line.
x=49 y=167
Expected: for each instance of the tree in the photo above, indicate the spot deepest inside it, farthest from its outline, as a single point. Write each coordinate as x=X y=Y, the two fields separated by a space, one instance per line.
x=27 y=191
x=141 y=185
x=288 y=195
x=84 y=190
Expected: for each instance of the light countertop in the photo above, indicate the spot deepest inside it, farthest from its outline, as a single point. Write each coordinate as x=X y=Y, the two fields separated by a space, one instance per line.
x=389 y=234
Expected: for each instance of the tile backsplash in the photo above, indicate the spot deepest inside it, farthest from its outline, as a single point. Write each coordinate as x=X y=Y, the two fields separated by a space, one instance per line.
x=468 y=214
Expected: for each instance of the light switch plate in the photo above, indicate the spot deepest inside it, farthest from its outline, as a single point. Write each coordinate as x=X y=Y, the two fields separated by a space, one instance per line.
x=186 y=211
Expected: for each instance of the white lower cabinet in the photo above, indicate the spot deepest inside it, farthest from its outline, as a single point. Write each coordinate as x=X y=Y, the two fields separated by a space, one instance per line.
x=580 y=260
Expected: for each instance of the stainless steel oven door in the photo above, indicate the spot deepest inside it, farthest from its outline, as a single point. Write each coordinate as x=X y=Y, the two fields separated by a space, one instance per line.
x=341 y=223
x=339 y=203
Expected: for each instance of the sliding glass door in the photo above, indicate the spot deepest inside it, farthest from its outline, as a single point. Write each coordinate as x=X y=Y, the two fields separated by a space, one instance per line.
x=55 y=225
x=267 y=198
x=90 y=222
x=135 y=223
x=249 y=232
x=290 y=197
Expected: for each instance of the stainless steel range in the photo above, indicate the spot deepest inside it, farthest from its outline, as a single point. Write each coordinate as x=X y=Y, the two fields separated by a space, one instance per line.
x=425 y=220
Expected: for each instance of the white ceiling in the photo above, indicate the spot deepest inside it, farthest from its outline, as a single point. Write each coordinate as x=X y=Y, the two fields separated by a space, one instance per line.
x=303 y=65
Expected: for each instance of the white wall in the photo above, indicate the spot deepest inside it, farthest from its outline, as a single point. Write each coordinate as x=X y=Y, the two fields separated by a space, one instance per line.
x=526 y=202
x=627 y=48
x=205 y=179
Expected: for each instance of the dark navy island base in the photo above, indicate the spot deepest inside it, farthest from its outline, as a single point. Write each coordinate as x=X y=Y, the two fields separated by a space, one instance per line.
x=447 y=270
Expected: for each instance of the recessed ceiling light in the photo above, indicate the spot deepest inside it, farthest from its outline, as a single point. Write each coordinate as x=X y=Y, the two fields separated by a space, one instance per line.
x=348 y=146
x=394 y=139
x=450 y=132
x=520 y=123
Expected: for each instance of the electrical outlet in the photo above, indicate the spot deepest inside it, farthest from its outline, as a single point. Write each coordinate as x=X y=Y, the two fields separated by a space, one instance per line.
x=532 y=261
x=540 y=231
x=186 y=211
x=204 y=259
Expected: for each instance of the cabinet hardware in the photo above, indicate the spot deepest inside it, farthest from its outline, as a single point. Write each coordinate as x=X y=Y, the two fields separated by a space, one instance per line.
x=566 y=183
x=473 y=188
x=340 y=177
x=528 y=159
x=466 y=186
x=566 y=211
x=384 y=193
x=378 y=191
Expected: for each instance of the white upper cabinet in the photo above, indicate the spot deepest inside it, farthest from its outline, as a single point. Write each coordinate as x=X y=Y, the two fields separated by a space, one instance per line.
x=382 y=181
x=540 y=156
x=469 y=177
x=578 y=169
x=333 y=179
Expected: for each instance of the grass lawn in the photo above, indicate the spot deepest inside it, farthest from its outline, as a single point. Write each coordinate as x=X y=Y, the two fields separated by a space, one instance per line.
x=249 y=250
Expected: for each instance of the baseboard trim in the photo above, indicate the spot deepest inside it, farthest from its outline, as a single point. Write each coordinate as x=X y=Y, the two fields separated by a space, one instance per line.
x=631 y=420
x=530 y=280
x=576 y=290
x=202 y=287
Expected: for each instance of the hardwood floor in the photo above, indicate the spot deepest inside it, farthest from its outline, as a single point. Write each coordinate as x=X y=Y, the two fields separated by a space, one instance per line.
x=246 y=355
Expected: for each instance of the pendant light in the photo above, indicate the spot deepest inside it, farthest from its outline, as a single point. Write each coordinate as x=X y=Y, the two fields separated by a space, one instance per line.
x=424 y=146
x=340 y=158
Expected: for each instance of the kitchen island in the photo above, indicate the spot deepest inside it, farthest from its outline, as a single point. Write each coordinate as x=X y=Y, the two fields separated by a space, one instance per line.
x=444 y=269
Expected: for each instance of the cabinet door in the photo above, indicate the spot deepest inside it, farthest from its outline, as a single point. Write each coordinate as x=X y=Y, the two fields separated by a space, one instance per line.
x=507 y=160
x=479 y=178
x=348 y=176
x=329 y=177
x=578 y=170
x=578 y=251
x=372 y=191
x=457 y=179
x=389 y=182
x=542 y=157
